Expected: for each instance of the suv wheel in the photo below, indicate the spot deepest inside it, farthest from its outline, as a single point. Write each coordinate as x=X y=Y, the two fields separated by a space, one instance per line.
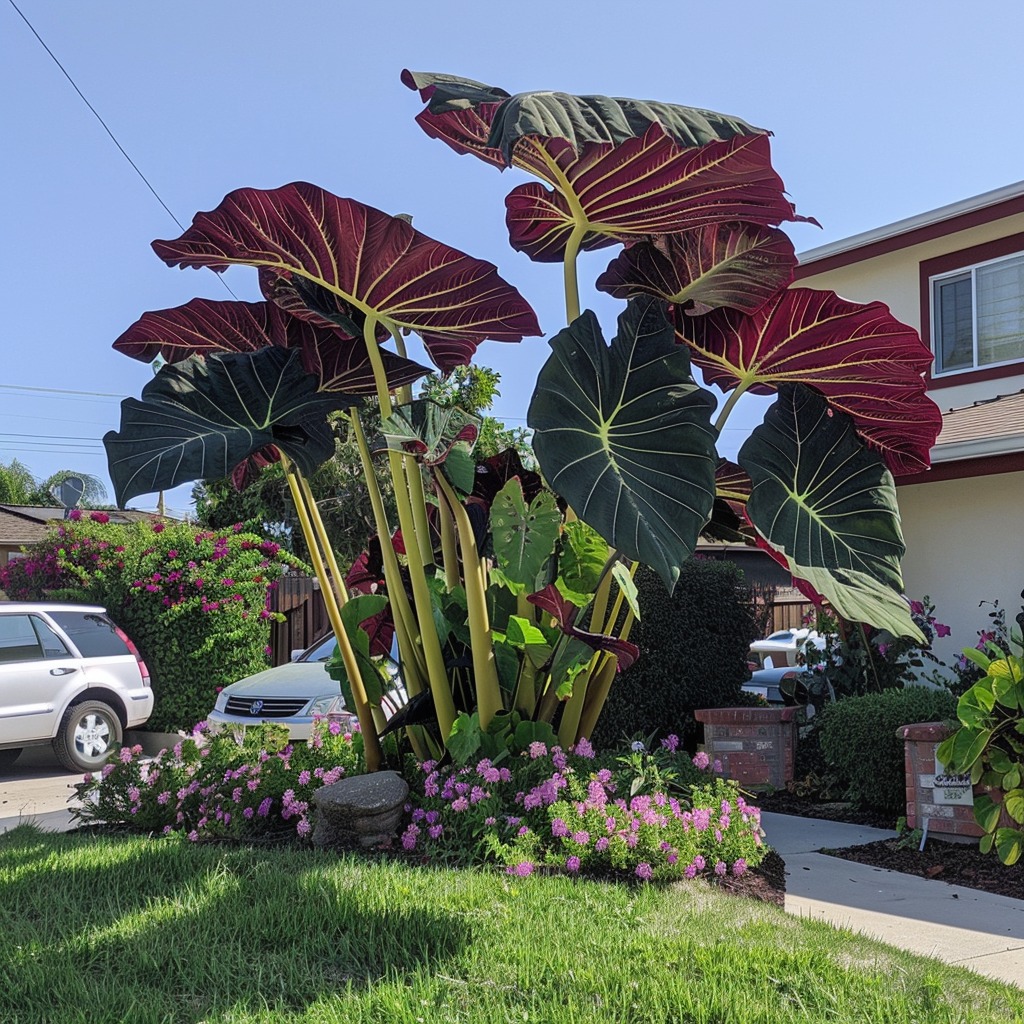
x=88 y=734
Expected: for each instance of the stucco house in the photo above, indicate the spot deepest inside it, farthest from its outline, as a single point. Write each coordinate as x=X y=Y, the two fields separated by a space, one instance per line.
x=956 y=274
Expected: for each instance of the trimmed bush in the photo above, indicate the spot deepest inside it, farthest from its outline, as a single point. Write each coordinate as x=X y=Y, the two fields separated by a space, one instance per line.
x=858 y=739
x=194 y=601
x=693 y=654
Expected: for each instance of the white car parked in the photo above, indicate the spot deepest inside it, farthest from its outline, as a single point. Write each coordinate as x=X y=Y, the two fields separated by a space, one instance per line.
x=290 y=695
x=68 y=677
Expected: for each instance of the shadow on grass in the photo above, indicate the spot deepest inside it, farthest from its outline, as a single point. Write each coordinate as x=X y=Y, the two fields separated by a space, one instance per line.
x=182 y=933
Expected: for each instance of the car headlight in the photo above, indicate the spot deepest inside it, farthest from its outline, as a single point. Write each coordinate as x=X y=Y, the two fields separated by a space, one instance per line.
x=324 y=703
x=221 y=702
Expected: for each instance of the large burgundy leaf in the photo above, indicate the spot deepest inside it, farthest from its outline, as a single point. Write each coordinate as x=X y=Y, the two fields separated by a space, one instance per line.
x=205 y=326
x=250 y=467
x=375 y=263
x=860 y=357
x=550 y=600
x=484 y=120
x=643 y=186
x=367 y=577
x=740 y=266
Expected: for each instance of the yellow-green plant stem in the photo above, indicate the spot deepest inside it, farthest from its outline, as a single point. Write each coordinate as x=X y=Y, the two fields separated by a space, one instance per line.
x=573 y=707
x=730 y=403
x=485 y=669
x=413 y=665
x=600 y=686
x=449 y=553
x=436 y=673
x=371 y=744
x=337 y=579
x=418 y=502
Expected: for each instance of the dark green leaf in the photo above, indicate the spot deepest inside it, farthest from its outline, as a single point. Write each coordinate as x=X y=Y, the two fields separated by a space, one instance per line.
x=200 y=418
x=624 y=435
x=829 y=505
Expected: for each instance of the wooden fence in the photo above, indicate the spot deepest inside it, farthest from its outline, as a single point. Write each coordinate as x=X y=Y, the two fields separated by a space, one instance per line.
x=298 y=598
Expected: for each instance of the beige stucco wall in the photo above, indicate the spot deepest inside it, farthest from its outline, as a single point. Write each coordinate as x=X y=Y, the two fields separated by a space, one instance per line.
x=894 y=279
x=965 y=544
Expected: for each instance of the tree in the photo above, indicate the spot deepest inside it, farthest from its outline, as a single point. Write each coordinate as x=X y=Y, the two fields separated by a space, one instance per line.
x=17 y=484
x=19 y=487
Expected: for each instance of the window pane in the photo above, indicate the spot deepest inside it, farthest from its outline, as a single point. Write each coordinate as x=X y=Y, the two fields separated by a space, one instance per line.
x=1001 y=311
x=53 y=646
x=92 y=634
x=17 y=640
x=954 y=340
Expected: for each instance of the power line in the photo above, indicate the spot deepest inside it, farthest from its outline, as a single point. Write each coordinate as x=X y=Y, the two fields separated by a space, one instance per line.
x=61 y=391
x=106 y=128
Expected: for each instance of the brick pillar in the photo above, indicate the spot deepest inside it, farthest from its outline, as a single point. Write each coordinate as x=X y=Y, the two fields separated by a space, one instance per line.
x=927 y=797
x=757 y=746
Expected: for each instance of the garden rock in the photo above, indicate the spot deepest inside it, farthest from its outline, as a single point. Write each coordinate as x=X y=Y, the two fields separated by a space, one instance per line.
x=362 y=809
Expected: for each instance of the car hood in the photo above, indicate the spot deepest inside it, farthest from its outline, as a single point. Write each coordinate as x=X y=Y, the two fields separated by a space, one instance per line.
x=296 y=679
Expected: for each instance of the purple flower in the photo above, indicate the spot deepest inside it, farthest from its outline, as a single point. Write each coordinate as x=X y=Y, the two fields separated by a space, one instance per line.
x=739 y=867
x=701 y=760
x=583 y=748
x=671 y=743
x=720 y=868
x=572 y=863
x=522 y=869
x=581 y=838
x=559 y=828
x=644 y=871
x=537 y=749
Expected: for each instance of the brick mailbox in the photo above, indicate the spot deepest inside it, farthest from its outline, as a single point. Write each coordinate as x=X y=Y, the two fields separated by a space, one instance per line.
x=943 y=801
x=757 y=746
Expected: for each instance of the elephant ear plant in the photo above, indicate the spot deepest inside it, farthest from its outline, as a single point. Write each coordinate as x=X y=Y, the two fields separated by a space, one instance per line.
x=510 y=592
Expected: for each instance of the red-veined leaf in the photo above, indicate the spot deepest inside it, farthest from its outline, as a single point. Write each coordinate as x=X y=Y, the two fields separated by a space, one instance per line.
x=376 y=263
x=728 y=520
x=250 y=467
x=643 y=186
x=564 y=612
x=740 y=266
x=860 y=357
x=204 y=326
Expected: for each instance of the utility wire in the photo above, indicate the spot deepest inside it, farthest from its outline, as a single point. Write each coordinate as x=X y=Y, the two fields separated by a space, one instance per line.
x=106 y=128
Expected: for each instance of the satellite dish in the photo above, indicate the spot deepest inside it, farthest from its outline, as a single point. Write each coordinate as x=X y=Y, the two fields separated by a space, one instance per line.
x=70 y=491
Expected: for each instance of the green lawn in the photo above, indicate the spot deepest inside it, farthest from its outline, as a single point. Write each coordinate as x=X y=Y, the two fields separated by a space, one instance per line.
x=96 y=929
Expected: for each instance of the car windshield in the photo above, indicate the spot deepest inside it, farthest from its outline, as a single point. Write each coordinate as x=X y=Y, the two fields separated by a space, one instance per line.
x=321 y=651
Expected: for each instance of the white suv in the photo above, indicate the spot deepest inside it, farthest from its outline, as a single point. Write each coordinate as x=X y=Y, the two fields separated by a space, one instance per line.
x=70 y=677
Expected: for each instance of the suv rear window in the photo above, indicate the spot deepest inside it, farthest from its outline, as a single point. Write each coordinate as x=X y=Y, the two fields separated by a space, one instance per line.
x=93 y=634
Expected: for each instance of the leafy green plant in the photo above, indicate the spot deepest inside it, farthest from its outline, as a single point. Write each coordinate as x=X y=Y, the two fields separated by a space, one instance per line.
x=623 y=432
x=858 y=737
x=193 y=601
x=989 y=745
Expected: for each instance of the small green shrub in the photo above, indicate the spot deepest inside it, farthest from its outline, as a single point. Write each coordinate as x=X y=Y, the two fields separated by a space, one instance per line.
x=693 y=654
x=858 y=739
x=193 y=601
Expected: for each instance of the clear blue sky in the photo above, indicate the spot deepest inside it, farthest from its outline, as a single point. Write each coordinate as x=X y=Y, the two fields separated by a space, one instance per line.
x=879 y=110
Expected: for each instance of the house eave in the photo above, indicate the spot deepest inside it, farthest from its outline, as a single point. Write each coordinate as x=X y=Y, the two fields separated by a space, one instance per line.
x=956 y=451
x=911 y=224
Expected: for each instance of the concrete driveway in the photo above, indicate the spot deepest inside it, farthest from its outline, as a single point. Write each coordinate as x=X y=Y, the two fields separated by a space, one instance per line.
x=37 y=789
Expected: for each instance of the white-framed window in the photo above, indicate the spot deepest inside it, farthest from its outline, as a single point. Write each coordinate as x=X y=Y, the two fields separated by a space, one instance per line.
x=977 y=315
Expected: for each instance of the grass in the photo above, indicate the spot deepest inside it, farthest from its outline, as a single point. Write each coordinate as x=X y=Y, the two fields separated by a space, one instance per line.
x=98 y=929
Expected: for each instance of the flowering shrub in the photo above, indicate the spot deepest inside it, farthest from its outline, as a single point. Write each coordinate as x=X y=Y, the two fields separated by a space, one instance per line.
x=243 y=785
x=194 y=601
x=569 y=811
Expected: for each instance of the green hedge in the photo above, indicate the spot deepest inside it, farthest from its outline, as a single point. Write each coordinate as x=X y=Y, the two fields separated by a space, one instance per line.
x=194 y=601
x=858 y=739
x=693 y=654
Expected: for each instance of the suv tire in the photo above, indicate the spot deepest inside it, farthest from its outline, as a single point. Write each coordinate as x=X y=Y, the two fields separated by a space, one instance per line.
x=89 y=733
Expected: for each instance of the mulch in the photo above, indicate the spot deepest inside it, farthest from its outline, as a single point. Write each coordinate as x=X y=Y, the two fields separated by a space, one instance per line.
x=957 y=863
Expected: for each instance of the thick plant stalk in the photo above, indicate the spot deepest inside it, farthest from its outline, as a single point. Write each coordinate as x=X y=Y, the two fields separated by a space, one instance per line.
x=371 y=744
x=573 y=708
x=449 y=554
x=485 y=669
x=414 y=665
x=599 y=688
x=437 y=674
x=337 y=579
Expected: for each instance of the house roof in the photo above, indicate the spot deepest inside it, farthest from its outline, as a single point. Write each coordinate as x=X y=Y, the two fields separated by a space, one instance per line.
x=1000 y=202
x=26 y=524
x=991 y=427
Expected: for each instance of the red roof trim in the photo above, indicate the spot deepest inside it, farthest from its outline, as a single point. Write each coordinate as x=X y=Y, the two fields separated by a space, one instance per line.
x=927 y=233
x=965 y=469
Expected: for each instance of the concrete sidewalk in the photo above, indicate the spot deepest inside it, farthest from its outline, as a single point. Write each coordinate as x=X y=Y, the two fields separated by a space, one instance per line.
x=37 y=790
x=961 y=926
